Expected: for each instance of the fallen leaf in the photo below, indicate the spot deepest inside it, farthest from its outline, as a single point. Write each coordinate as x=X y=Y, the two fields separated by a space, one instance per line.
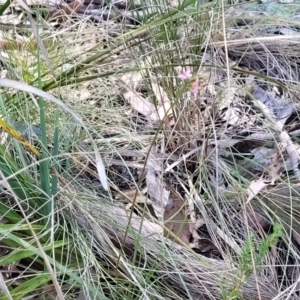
x=140 y=104
x=255 y=187
x=163 y=102
x=291 y=149
x=176 y=220
x=157 y=192
x=130 y=195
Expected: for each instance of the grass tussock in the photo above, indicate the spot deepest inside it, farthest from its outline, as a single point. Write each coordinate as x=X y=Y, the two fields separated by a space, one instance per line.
x=149 y=152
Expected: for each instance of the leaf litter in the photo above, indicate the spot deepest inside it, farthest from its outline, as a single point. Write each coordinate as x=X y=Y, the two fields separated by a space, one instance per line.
x=268 y=164
x=241 y=130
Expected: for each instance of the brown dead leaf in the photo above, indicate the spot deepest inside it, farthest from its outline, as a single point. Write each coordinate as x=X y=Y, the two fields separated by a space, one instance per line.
x=143 y=104
x=135 y=98
x=255 y=187
x=163 y=102
x=291 y=148
x=131 y=194
x=213 y=229
x=140 y=104
x=176 y=220
x=157 y=192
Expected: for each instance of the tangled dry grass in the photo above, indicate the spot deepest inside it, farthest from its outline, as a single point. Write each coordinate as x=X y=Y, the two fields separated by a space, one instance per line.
x=203 y=183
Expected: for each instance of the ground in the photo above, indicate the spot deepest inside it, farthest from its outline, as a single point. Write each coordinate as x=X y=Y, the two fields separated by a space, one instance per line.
x=158 y=155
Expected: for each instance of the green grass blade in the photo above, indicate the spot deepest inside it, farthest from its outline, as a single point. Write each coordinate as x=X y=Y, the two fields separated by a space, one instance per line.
x=54 y=154
x=5 y=6
x=29 y=286
x=18 y=181
x=59 y=267
x=44 y=163
x=9 y=214
x=19 y=254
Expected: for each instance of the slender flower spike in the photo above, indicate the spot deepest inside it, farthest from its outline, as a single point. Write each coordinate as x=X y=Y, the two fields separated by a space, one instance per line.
x=195 y=87
x=185 y=74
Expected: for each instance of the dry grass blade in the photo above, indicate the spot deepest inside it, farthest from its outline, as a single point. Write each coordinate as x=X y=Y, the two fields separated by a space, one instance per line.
x=24 y=5
x=206 y=105
x=3 y=287
x=40 y=42
x=19 y=137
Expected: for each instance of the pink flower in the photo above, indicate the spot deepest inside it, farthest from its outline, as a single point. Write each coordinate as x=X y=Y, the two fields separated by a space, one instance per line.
x=185 y=74
x=195 y=87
